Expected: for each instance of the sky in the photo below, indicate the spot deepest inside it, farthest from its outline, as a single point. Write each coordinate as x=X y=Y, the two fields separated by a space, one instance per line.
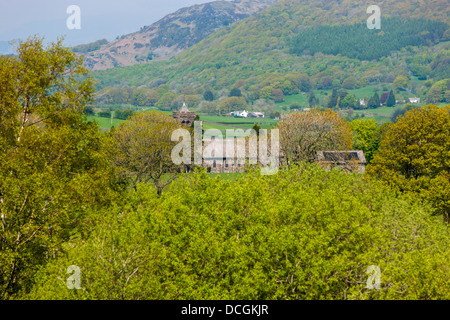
x=99 y=19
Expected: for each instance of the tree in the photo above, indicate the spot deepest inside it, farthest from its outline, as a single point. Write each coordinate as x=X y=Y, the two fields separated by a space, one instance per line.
x=266 y=93
x=52 y=159
x=390 y=102
x=437 y=91
x=143 y=149
x=414 y=153
x=349 y=101
x=165 y=102
x=302 y=134
x=235 y=92
x=366 y=137
x=191 y=100
x=333 y=99
x=374 y=101
x=208 y=95
x=401 y=82
x=304 y=83
x=277 y=95
x=231 y=104
x=349 y=83
x=312 y=100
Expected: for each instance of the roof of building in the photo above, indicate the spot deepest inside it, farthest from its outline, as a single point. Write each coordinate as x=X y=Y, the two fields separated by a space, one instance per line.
x=341 y=156
x=184 y=108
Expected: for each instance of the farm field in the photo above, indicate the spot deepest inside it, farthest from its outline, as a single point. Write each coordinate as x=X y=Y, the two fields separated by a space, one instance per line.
x=106 y=123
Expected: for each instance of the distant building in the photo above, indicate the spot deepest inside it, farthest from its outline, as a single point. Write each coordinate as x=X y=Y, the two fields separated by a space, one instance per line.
x=184 y=116
x=255 y=115
x=215 y=156
x=350 y=161
x=241 y=114
x=414 y=100
x=362 y=102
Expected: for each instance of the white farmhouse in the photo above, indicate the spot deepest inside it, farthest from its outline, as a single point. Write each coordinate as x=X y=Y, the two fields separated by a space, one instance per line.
x=241 y=114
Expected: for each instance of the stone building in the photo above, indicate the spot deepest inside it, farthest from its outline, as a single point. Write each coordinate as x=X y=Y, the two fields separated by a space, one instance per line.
x=350 y=161
x=184 y=116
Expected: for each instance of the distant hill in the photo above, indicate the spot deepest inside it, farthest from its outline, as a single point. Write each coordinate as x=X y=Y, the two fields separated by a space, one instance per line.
x=250 y=50
x=170 y=35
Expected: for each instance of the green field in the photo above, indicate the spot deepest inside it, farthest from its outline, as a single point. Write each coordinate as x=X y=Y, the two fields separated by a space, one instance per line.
x=106 y=123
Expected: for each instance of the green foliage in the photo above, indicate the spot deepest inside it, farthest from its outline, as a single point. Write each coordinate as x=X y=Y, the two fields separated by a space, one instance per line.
x=52 y=160
x=390 y=102
x=365 y=137
x=235 y=92
x=302 y=234
x=357 y=42
x=104 y=114
x=414 y=155
x=208 y=95
x=123 y=114
x=374 y=101
x=437 y=92
x=142 y=149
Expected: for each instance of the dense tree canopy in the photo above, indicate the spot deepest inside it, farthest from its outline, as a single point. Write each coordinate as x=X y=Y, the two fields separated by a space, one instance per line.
x=301 y=234
x=302 y=134
x=414 y=154
x=52 y=163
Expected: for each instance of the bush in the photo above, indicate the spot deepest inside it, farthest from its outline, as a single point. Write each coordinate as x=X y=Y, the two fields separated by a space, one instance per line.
x=301 y=234
x=104 y=114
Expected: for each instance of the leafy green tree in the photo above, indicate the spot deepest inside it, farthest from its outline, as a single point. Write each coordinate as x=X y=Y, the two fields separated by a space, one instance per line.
x=414 y=153
x=52 y=160
x=235 y=92
x=256 y=127
x=104 y=114
x=374 y=101
x=165 y=102
x=266 y=93
x=390 y=102
x=208 y=95
x=231 y=104
x=333 y=99
x=143 y=149
x=349 y=101
x=437 y=91
x=349 y=83
x=312 y=100
x=366 y=137
x=401 y=82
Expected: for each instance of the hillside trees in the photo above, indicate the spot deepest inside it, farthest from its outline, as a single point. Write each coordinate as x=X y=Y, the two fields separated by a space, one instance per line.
x=355 y=42
x=52 y=160
x=414 y=157
x=303 y=134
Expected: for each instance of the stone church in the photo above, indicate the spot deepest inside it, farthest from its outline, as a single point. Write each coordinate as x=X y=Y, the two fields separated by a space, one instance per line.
x=184 y=116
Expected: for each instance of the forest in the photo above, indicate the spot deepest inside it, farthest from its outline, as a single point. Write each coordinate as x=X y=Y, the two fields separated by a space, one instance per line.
x=358 y=42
